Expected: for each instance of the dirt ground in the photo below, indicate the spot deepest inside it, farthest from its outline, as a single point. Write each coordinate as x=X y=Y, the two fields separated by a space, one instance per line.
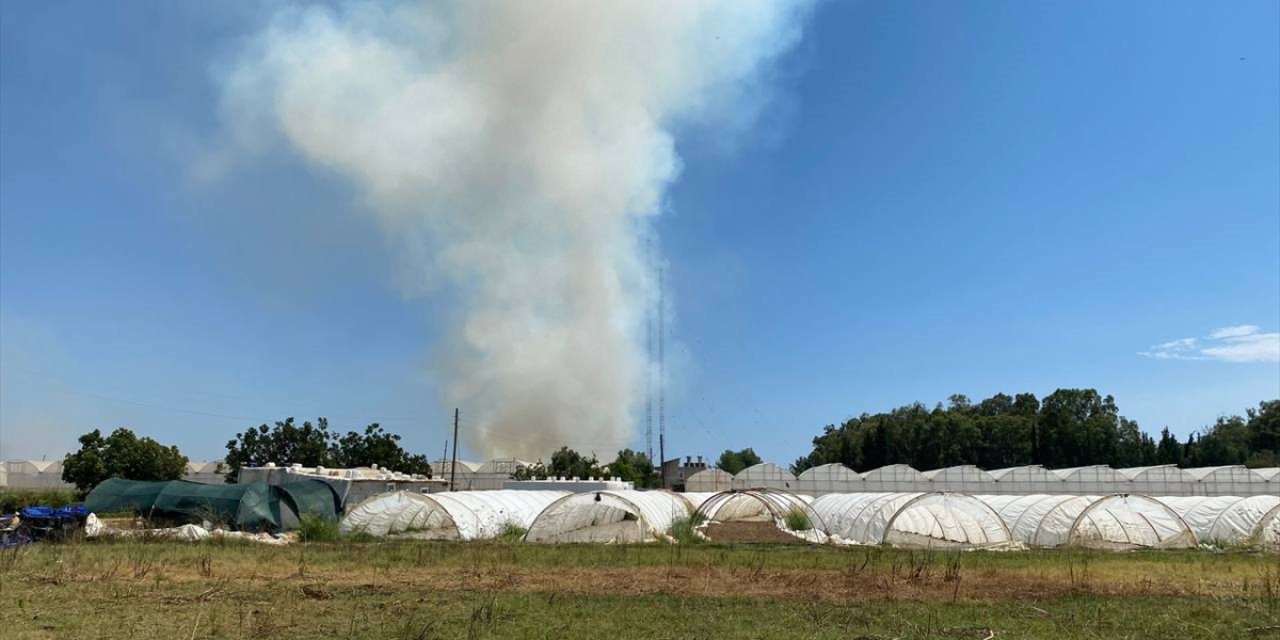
x=749 y=532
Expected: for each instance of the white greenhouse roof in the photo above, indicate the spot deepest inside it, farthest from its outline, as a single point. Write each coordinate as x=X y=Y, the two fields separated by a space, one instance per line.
x=609 y=516
x=461 y=515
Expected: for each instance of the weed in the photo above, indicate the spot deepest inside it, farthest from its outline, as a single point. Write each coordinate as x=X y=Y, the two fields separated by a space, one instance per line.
x=797 y=520
x=512 y=532
x=685 y=530
x=15 y=499
x=314 y=528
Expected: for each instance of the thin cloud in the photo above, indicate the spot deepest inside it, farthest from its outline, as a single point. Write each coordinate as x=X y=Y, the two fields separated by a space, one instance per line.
x=1235 y=332
x=1242 y=343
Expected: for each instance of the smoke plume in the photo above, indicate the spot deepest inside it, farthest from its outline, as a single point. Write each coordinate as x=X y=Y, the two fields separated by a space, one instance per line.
x=517 y=153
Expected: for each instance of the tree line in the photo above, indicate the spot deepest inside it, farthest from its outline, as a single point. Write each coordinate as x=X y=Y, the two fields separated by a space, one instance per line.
x=1067 y=428
x=124 y=455
x=628 y=465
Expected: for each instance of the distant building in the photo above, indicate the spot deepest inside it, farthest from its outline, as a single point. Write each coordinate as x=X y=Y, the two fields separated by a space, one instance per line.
x=352 y=485
x=478 y=476
x=573 y=485
x=47 y=474
x=674 y=474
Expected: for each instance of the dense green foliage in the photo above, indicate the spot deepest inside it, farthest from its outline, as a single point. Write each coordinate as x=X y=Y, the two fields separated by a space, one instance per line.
x=735 y=461
x=12 y=500
x=315 y=445
x=121 y=455
x=1068 y=428
x=631 y=466
x=636 y=467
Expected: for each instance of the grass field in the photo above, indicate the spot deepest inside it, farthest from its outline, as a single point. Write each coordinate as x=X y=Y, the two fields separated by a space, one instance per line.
x=419 y=590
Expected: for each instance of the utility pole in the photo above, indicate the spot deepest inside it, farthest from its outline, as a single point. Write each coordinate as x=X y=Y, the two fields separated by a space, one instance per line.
x=662 y=467
x=445 y=454
x=453 y=466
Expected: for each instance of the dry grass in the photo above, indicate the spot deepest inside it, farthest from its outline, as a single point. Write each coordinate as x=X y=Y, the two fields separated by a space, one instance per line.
x=438 y=589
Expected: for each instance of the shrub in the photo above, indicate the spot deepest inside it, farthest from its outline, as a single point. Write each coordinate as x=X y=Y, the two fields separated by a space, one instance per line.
x=12 y=500
x=797 y=520
x=314 y=528
x=684 y=530
x=512 y=532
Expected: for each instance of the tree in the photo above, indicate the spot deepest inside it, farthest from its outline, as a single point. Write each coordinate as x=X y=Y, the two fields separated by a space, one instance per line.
x=735 y=461
x=635 y=467
x=286 y=443
x=376 y=447
x=1168 y=450
x=568 y=463
x=1264 y=434
x=1069 y=428
x=1226 y=442
x=1077 y=427
x=315 y=445
x=121 y=455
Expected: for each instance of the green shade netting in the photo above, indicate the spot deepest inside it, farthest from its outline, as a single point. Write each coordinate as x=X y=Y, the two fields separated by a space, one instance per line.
x=313 y=497
x=256 y=505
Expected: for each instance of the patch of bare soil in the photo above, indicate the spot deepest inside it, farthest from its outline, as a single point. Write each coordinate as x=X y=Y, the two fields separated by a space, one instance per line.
x=748 y=532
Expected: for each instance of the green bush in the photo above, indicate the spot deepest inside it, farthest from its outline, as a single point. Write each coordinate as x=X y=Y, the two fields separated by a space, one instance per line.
x=684 y=530
x=512 y=532
x=314 y=528
x=797 y=520
x=361 y=537
x=14 y=499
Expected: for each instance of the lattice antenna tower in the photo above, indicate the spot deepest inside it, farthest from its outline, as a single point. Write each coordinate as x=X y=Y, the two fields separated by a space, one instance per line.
x=662 y=374
x=648 y=363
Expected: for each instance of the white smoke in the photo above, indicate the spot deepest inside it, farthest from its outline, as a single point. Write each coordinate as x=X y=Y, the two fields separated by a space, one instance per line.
x=517 y=152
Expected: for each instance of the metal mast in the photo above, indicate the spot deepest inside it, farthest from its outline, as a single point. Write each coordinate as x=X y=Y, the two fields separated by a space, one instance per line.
x=648 y=363
x=662 y=377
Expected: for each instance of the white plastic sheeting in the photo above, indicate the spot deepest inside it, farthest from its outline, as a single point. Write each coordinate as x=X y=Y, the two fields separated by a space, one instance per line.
x=829 y=478
x=696 y=498
x=609 y=516
x=709 y=481
x=765 y=475
x=1112 y=522
x=463 y=515
x=911 y=519
x=760 y=505
x=1230 y=519
x=1163 y=480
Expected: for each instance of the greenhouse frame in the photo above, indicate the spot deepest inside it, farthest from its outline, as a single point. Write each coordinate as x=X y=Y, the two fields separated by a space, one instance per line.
x=1230 y=520
x=459 y=515
x=948 y=520
x=610 y=517
x=1118 y=521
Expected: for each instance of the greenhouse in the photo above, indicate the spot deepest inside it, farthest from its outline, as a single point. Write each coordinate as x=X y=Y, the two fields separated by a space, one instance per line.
x=461 y=515
x=829 y=478
x=1109 y=522
x=1229 y=519
x=764 y=476
x=894 y=478
x=1235 y=480
x=965 y=478
x=912 y=520
x=609 y=516
x=709 y=480
x=760 y=505
x=252 y=506
x=1159 y=480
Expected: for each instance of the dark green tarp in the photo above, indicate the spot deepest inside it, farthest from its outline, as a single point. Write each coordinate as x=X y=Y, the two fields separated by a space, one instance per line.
x=252 y=506
x=314 y=497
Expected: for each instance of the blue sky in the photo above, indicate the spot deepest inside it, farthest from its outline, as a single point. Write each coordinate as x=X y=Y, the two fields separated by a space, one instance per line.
x=945 y=198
